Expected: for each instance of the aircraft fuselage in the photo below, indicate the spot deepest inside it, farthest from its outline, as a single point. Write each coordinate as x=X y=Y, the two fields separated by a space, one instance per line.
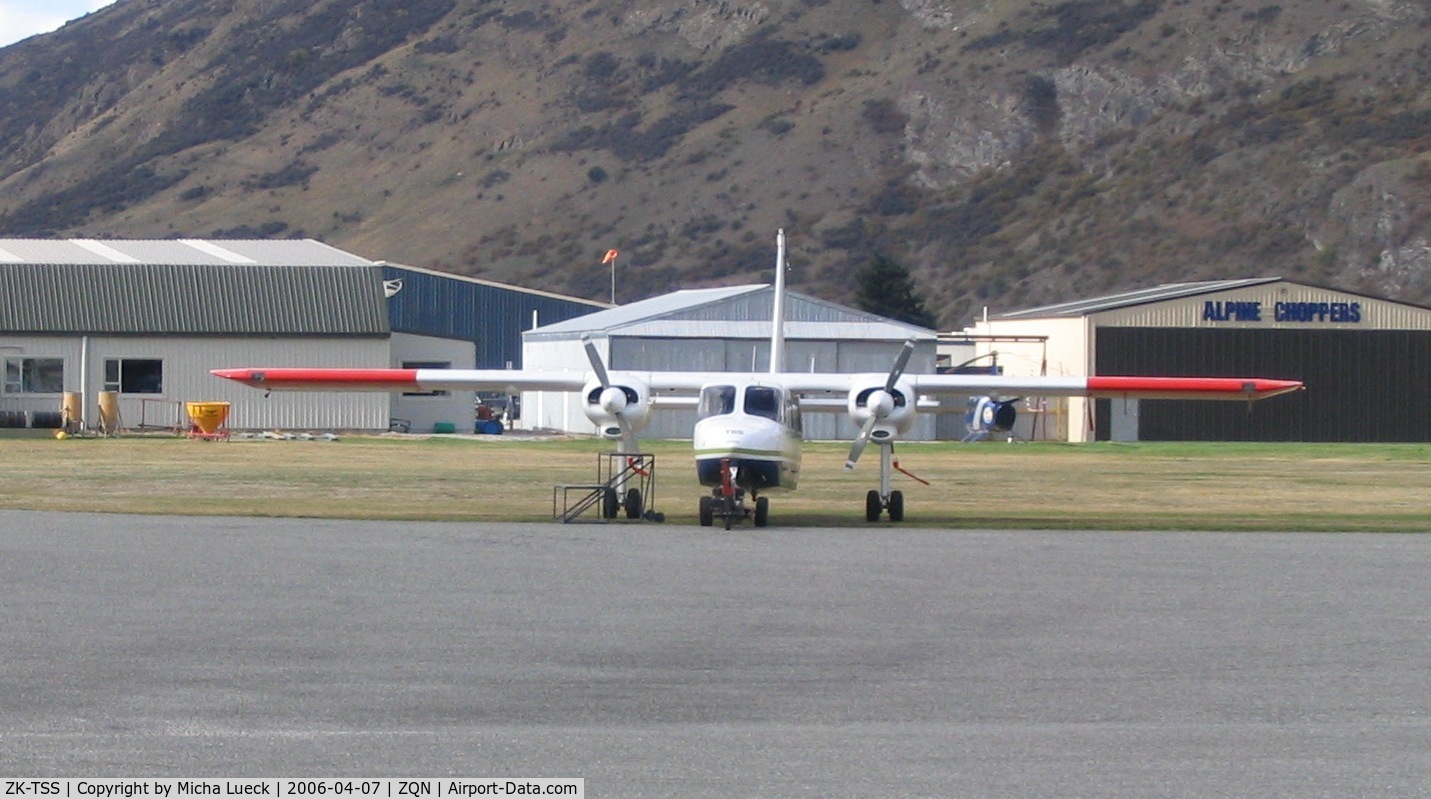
x=756 y=428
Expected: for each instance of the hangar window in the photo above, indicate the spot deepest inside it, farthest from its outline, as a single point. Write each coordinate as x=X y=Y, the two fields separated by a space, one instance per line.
x=34 y=375
x=426 y=365
x=134 y=375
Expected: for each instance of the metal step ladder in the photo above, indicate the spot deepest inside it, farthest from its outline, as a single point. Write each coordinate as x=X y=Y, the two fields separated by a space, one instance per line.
x=626 y=482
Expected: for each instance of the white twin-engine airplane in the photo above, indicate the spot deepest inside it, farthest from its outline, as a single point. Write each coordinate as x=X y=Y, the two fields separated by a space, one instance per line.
x=748 y=437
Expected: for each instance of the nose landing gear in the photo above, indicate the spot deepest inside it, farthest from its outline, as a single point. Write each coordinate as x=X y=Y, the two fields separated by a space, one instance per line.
x=727 y=501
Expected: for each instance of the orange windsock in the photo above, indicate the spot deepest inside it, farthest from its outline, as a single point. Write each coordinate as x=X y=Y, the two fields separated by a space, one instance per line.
x=610 y=256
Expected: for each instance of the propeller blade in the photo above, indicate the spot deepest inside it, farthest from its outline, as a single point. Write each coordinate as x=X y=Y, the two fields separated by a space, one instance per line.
x=860 y=443
x=628 y=436
x=900 y=361
x=595 y=358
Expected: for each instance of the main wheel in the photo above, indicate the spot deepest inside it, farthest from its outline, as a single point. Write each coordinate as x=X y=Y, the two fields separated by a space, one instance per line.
x=872 y=506
x=610 y=503
x=762 y=511
x=633 y=503
x=896 y=506
x=707 y=512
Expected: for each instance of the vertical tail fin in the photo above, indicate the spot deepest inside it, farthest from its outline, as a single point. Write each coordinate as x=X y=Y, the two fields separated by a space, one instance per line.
x=777 y=316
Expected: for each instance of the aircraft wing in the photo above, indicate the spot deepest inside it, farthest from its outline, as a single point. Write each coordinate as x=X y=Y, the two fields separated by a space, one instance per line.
x=322 y=379
x=1118 y=387
x=511 y=381
x=812 y=385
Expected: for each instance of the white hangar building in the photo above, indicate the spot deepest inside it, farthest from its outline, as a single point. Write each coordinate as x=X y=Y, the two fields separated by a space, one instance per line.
x=147 y=320
x=1363 y=360
x=720 y=330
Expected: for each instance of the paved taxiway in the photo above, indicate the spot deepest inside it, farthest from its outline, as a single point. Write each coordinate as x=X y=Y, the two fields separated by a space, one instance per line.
x=672 y=661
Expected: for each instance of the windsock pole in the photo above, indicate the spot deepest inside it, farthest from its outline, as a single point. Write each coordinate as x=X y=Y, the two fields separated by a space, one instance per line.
x=611 y=259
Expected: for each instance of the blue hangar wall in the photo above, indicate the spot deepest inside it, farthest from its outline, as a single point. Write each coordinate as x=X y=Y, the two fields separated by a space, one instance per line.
x=491 y=315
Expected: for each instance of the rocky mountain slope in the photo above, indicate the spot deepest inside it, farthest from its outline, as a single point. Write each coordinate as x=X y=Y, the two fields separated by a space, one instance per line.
x=1008 y=152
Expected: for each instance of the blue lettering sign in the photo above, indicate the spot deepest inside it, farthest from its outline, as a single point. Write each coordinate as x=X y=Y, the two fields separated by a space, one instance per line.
x=1334 y=312
x=1241 y=311
x=1339 y=313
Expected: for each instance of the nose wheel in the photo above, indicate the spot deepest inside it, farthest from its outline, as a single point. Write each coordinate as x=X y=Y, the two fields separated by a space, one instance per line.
x=726 y=508
x=727 y=503
x=733 y=509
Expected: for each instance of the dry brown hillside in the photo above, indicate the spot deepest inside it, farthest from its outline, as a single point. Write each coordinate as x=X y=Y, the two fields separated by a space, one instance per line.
x=1008 y=153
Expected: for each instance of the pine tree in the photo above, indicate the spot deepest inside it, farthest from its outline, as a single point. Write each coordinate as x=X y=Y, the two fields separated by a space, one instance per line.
x=886 y=288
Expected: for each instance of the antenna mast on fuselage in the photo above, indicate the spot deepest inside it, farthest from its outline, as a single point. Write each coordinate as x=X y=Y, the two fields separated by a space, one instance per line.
x=777 y=314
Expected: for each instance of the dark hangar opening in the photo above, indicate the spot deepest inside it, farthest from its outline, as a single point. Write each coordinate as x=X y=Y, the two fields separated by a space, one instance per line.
x=1362 y=385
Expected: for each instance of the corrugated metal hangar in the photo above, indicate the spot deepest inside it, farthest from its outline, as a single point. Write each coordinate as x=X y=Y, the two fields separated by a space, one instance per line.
x=1362 y=358
x=431 y=303
x=721 y=330
x=437 y=319
x=145 y=321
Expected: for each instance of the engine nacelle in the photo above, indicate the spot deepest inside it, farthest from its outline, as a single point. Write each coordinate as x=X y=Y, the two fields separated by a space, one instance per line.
x=989 y=415
x=894 y=411
x=626 y=398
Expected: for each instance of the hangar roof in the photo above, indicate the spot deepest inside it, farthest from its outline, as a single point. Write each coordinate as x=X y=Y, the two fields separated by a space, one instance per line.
x=188 y=287
x=186 y=252
x=1166 y=291
x=731 y=312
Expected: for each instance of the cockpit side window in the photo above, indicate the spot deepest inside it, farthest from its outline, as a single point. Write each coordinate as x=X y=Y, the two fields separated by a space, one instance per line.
x=717 y=401
x=763 y=401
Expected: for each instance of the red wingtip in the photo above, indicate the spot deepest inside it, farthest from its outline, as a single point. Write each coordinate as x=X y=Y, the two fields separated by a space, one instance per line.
x=241 y=375
x=1227 y=388
x=1271 y=388
x=322 y=379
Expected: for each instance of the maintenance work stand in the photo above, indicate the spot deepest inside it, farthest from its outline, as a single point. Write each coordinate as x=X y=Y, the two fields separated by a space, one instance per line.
x=625 y=482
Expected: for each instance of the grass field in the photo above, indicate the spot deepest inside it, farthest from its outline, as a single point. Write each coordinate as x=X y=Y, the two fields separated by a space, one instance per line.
x=1331 y=487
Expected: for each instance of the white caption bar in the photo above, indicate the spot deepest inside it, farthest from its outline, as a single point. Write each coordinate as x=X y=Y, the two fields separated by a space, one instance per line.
x=307 y=788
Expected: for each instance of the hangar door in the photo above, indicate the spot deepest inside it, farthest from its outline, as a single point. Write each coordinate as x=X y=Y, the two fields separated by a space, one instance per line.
x=1362 y=385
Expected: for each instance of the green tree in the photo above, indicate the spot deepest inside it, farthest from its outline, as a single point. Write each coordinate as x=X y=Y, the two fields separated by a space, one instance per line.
x=886 y=288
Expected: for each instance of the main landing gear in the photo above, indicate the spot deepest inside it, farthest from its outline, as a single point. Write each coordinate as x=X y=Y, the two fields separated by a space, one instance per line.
x=892 y=502
x=727 y=502
x=612 y=503
x=885 y=500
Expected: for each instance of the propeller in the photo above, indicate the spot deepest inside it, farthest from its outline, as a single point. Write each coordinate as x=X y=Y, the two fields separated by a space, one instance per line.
x=880 y=404
x=613 y=399
x=860 y=442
